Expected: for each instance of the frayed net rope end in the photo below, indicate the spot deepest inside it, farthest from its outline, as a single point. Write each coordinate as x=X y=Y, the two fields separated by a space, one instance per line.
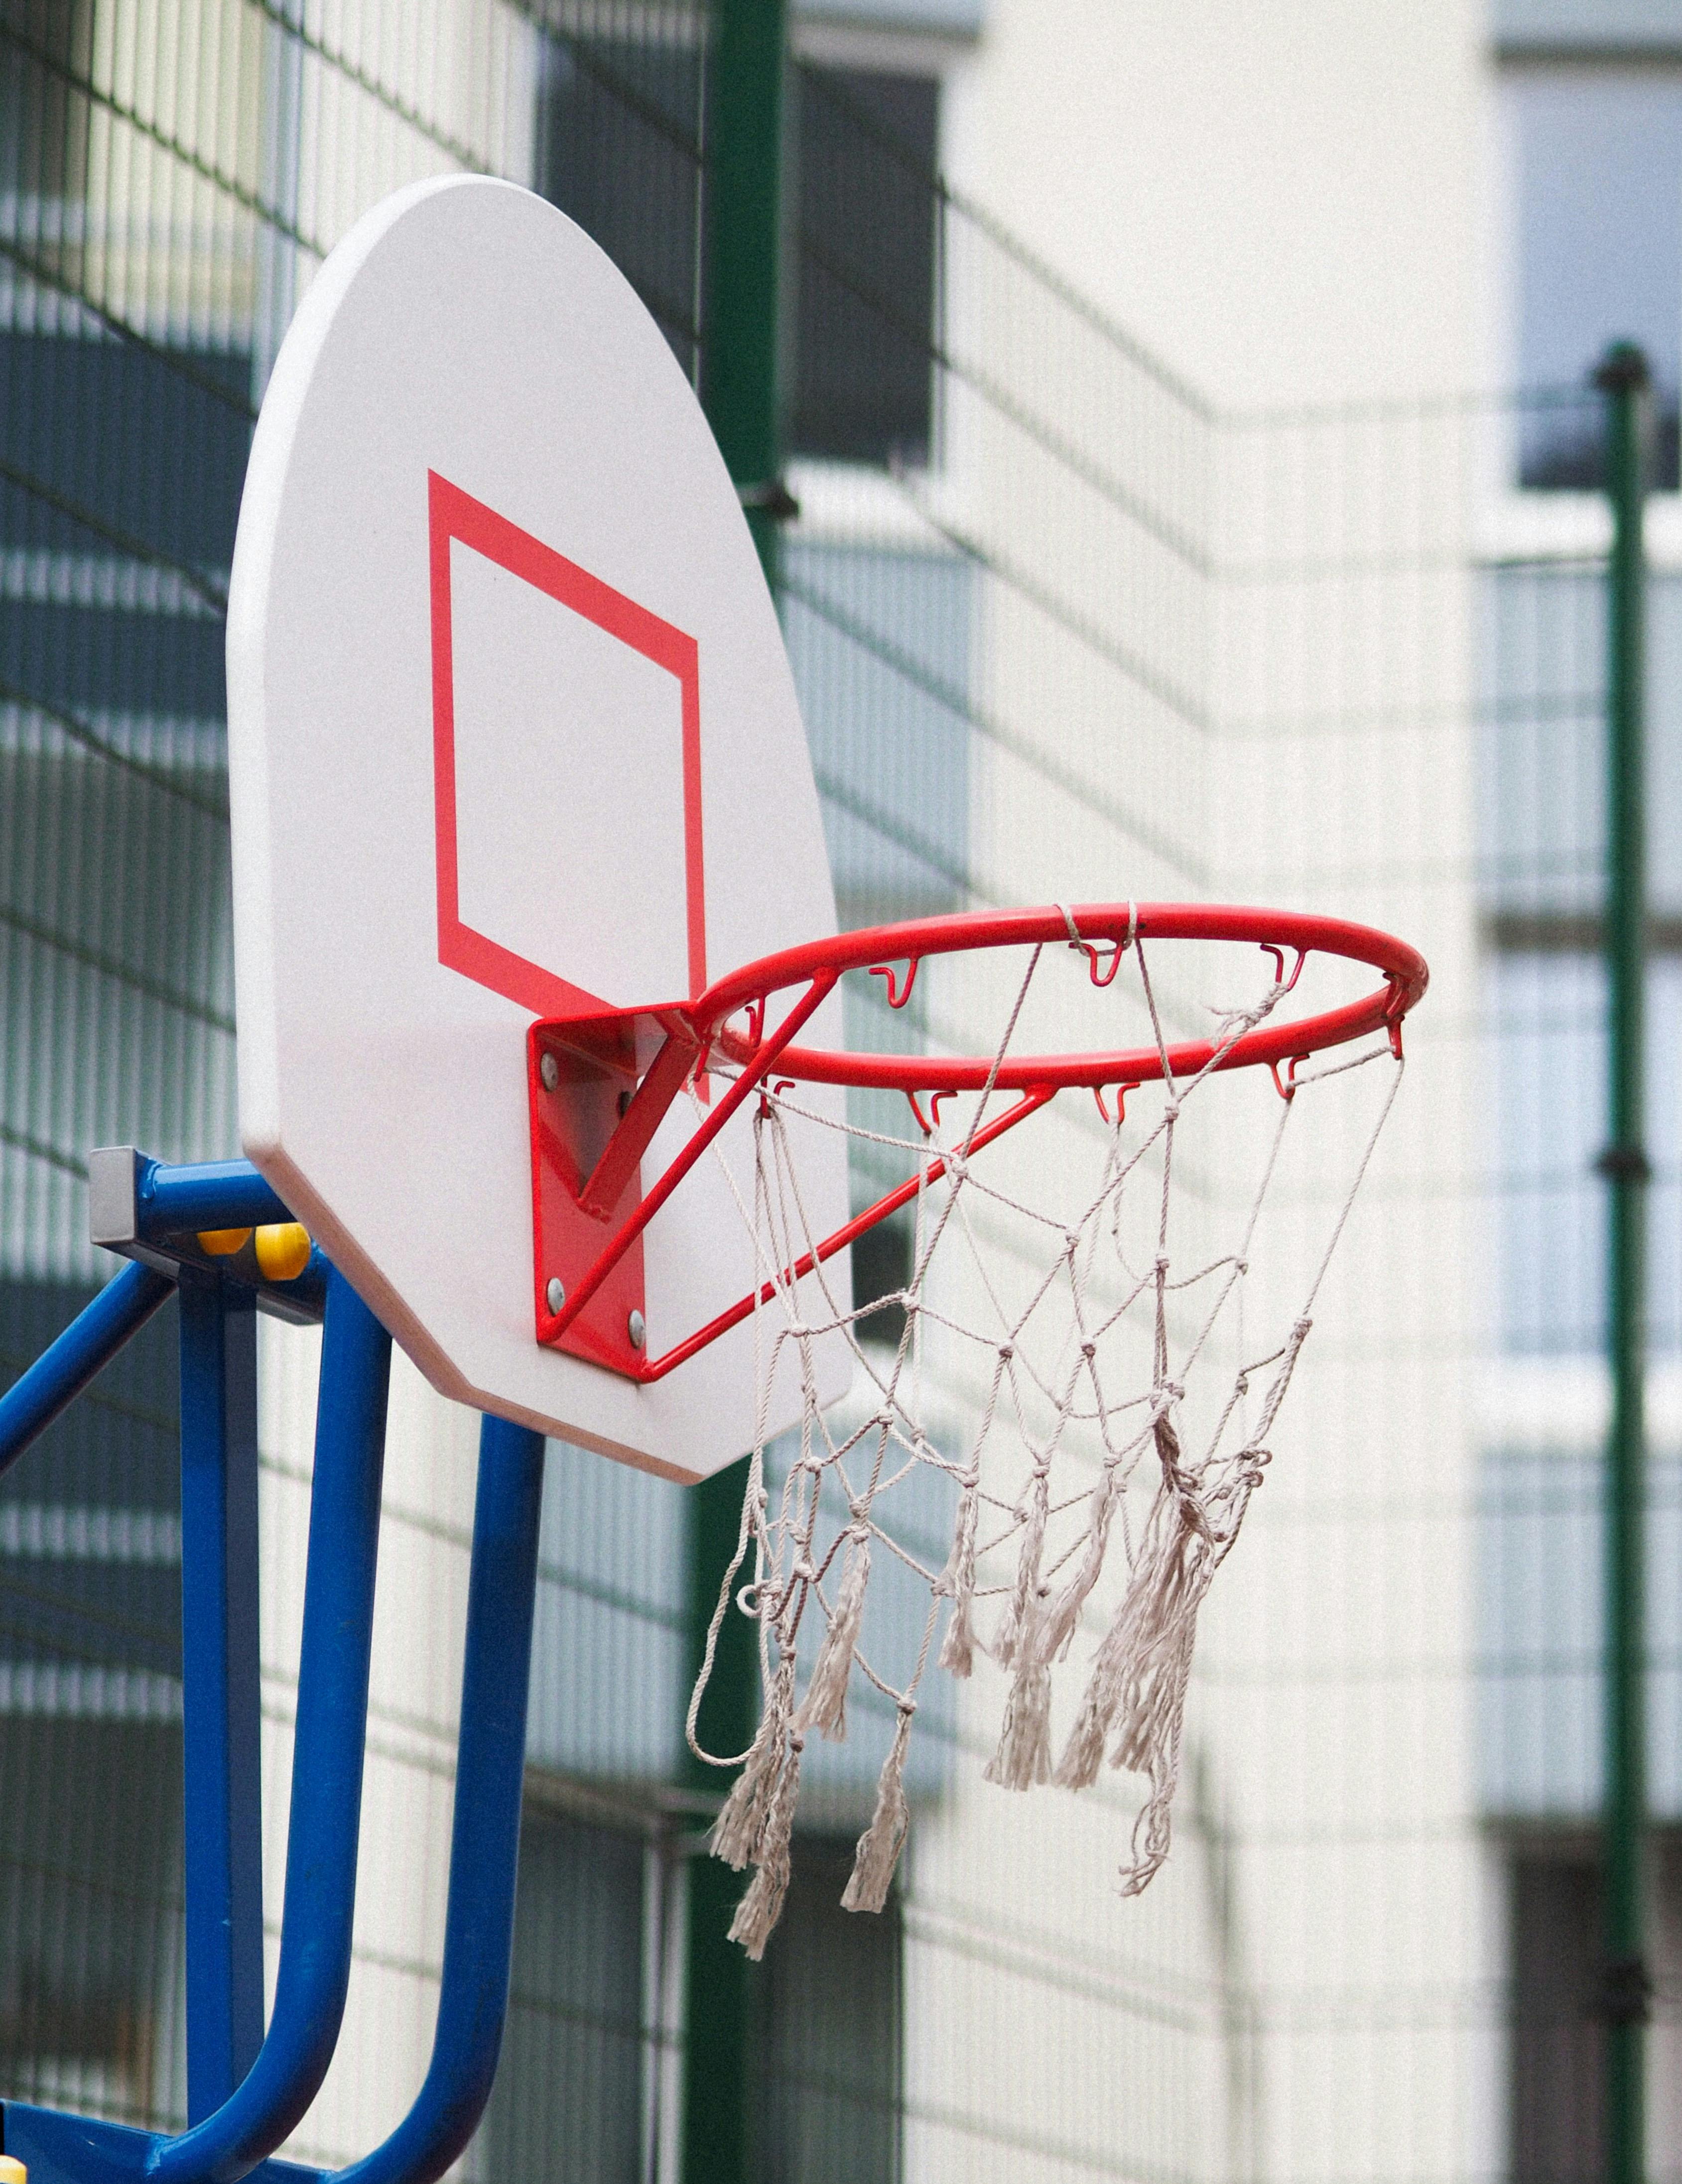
x=1023 y=1758
x=1013 y=1634
x=824 y=1706
x=1153 y=1837
x=762 y=1904
x=879 y=1845
x=1125 y=1676
x=956 y=1582
x=1083 y=1754
x=737 y=1832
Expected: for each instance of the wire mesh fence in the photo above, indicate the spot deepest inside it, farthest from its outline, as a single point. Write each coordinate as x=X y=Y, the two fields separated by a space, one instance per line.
x=1061 y=631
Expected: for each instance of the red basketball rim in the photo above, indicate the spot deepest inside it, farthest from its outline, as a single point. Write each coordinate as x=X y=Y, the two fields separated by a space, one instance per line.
x=1104 y=930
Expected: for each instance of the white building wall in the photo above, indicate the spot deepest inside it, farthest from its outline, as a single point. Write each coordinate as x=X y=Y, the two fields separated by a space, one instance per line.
x=1285 y=204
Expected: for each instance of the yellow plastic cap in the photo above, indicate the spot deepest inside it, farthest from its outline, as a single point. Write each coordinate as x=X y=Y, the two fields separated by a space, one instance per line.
x=283 y=1254
x=220 y=1243
x=11 y=2172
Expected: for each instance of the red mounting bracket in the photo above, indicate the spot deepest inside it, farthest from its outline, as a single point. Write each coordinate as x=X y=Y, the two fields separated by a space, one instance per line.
x=599 y=1089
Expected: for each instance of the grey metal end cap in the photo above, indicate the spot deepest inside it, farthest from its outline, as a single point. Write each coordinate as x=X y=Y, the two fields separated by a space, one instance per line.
x=113 y=1171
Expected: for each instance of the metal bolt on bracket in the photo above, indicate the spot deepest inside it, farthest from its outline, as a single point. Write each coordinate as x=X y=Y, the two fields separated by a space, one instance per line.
x=549 y=1070
x=637 y=1329
x=556 y=1294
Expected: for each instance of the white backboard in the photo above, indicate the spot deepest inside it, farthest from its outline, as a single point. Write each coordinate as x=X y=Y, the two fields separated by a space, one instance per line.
x=511 y=725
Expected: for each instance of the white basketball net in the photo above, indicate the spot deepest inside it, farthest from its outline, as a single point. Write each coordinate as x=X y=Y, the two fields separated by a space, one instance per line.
x=1079 y=1366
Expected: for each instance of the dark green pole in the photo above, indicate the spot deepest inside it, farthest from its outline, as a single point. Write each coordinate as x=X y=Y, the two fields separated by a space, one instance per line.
x=740 y=336
x=1622 y=378
x=740 y=322
x=718 y=1989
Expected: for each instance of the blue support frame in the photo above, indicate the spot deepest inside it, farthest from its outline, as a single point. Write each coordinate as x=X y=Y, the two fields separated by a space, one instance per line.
x=247 y=2089
x=314 y=1973
x=222 y=1688
x=484 y=1847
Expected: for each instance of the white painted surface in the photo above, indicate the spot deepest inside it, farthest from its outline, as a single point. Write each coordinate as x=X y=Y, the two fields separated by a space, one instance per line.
x=466 y=328
x=532 y=840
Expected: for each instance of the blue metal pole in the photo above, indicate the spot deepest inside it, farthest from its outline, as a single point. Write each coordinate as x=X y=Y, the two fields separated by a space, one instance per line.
x=327 y=1768
x=485 y=1842
x=222 y=1688
x=179 y=1201
x=88 y=1343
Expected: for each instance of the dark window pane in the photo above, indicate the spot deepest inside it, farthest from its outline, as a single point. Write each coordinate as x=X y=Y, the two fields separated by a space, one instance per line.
x=567 y=2104
x=827 y=2104
x=97 y=434
x=90 y=1517
x=90 y=1736
x=864 y=275
x=43 y=123
x=90 y=1916
x=1556 y=2042
x=619 y=150
x=881 y=1265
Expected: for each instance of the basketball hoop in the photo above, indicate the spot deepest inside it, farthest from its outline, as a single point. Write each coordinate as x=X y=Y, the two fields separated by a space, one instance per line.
x=1086 y=1367
x=601 y=1084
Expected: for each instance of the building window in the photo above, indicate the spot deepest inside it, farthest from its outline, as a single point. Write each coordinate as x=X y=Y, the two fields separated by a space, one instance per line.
x=881 y=1268
x=862 y=274
x=1555 y=2092
x=1543 y=855
x=586 y=2086
x=619 y=150
x=91 y=1916
x=90 y=1732
x=1593 y=156
x=569 y=2098
x=830 y=2045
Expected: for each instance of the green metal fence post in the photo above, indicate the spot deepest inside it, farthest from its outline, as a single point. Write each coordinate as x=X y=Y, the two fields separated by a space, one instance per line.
x=1622 y=377
x=740 y=321
x=740 y=334
x=717 y=1984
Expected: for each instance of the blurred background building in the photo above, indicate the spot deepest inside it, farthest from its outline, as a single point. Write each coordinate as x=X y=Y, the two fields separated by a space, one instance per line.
x=1188 y=416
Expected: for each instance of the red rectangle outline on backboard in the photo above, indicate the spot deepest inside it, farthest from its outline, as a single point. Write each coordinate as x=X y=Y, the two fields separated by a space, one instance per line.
x=455 y=514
